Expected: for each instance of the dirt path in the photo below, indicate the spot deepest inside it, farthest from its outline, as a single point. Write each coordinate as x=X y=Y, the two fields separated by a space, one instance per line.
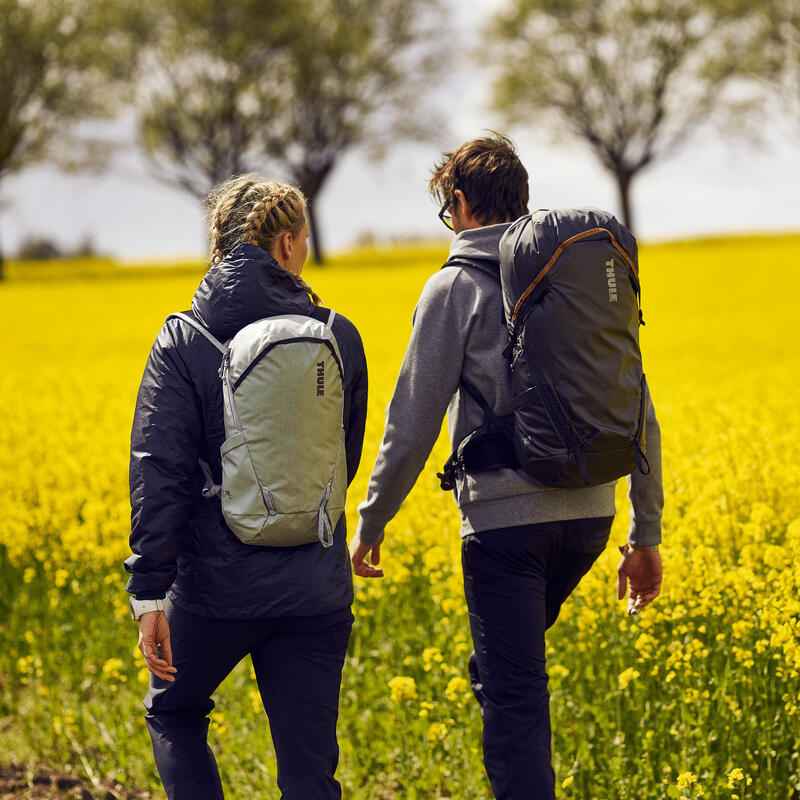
x=18 y=782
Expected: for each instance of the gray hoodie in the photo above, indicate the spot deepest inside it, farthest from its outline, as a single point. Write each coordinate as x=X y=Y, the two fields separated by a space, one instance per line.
x=458 y=329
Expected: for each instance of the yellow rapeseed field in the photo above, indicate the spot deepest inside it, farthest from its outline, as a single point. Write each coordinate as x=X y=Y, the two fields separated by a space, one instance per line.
x=697 y=697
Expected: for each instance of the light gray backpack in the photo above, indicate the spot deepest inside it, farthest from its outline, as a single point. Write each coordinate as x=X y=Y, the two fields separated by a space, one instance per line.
x=284 y=470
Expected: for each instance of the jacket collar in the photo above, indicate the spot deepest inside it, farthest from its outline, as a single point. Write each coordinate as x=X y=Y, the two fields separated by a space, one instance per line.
x=481 y=246
x=248 y=284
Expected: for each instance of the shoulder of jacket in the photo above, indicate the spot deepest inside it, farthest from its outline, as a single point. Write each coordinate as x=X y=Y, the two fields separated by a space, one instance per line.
x=441 y=284
x=177 y=342
x=349 y=340
x=172 y=331
x=454 y=282
x=343 y=328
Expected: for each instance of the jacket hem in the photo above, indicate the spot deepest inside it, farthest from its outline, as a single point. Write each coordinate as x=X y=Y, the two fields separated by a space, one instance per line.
x=533 y=507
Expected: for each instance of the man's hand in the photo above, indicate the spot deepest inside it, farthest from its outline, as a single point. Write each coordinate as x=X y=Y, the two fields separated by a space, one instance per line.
x=154 y=632
x=642 y=569
x=358 y=552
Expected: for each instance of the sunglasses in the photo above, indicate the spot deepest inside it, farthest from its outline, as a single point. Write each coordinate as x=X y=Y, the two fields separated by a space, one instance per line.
x=446 y=218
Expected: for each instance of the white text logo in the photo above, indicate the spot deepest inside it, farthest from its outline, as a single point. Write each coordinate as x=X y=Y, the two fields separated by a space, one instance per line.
x=612 y=281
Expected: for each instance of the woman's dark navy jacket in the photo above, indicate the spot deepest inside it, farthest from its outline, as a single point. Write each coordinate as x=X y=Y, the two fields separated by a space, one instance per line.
x=181 y=544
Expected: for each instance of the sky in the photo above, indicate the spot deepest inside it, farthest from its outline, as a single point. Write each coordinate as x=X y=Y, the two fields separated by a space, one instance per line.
x=714 y=185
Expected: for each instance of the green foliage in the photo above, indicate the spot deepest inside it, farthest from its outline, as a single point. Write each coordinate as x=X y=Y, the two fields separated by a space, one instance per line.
x=285 y=86
x=631 y=79
x=775 y=56
x=60 y=62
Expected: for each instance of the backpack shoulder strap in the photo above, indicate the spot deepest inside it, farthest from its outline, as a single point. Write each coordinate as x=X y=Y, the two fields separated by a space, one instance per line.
x=475 y=263
x=323 y=314
x=201 y=328
x=478 y=398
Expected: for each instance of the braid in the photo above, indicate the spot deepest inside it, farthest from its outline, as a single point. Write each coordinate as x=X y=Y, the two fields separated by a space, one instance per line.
x=214 y=236
x=254 y=223
x=225 y=200
x=315 y=298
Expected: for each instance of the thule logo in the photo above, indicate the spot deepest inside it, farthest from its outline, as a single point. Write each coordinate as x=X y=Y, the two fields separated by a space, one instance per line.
x=320 y=378
x=611 y=277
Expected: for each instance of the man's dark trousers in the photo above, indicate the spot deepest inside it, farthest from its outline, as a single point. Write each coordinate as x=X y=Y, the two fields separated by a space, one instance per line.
x=298 y=664
x=515 y=580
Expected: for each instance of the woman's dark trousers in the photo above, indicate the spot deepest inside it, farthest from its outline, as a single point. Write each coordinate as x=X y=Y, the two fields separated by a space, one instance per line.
x=515 y=580
x=298 y=664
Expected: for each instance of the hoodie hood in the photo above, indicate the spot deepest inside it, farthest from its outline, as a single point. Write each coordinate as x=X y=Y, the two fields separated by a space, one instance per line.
x=248 y=284
x=481 y=246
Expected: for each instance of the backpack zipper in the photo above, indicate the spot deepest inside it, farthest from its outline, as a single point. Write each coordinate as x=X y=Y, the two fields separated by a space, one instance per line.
x=546 y=268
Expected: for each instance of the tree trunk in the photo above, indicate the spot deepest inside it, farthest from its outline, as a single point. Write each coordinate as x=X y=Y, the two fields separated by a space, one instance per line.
x=316 y=245
x=624 y=180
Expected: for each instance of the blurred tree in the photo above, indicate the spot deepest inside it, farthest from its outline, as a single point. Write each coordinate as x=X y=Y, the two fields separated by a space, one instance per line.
x=209 y=87
x=289 y=86
x=775 y=56
x=630 y=78
x=61 y=61
x=38 y=248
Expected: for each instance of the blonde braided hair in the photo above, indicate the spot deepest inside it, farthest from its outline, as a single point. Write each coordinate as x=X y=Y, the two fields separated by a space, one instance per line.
x=251 y=209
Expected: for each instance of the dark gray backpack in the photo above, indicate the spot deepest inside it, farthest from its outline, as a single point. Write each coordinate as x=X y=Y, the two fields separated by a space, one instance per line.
x=571 y=300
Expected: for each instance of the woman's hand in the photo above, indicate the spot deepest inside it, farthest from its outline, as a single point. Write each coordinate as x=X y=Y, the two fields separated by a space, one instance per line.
x=155 y=645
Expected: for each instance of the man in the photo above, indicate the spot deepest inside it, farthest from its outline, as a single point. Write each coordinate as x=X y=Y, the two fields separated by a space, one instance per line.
x=525 y=546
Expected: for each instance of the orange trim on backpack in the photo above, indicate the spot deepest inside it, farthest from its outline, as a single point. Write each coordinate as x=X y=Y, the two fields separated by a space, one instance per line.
x=546 y=268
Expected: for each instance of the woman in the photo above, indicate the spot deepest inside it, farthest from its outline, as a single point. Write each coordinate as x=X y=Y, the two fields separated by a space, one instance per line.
x=204 y=598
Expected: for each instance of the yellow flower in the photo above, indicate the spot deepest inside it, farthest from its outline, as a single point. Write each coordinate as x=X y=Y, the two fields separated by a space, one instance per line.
x=403 y=688
x=455 y=689
x=685 y=779
x=437 y=732
x=568 y=781
x=218 y=724
x=431 y=656
x=734 y=775
x=112 y=666
x=626 y=676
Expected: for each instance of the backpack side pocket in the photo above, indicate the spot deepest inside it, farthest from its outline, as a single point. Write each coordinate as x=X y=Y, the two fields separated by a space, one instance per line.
x=243 y=504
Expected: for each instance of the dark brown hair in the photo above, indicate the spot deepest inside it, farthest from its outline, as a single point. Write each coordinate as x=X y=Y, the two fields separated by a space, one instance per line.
x=489 y=173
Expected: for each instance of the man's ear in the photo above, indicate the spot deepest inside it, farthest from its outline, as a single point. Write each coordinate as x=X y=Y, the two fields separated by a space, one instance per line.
x=462 y=202
x=464 y=208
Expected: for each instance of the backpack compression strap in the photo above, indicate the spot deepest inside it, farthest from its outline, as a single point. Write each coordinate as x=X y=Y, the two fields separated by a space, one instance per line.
x=197 y=326
x=477 y=263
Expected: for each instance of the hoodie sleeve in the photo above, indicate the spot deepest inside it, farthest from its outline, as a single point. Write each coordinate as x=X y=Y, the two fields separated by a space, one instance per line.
x=646 y=492
x=165 y=447
x=428 y=379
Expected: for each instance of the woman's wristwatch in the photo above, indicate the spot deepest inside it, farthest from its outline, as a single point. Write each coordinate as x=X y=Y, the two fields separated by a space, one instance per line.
x=139 y=607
